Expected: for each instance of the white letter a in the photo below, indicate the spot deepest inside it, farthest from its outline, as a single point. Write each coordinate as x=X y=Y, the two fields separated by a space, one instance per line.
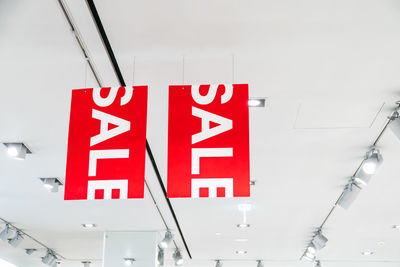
x=105 y=133
x=207 y=132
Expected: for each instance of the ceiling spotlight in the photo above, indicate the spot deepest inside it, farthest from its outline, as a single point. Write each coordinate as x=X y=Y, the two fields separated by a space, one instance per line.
x=260 y=263
x=319 y=241
x=167 y=240
x=350 y=193
x=218 y=263
x=373 y=159
x=256 y=102
x=177 y=256
x=51 y=184
x=396 y=227
x=395 y=122
x=16 y=240
x=129 y=261
x=252 y=182
x=317 y=264
x=48 y=258
x=367 y=253
x=86 y=263
x=17 y=150
x=243 y=225
x=30 y=251
x=311 y=249
x=89 y=225
x=241 y=252
x=5 y=233
x=308 y=256
x=160 y=257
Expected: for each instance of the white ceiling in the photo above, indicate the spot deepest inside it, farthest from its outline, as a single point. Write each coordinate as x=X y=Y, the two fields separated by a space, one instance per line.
x=330 y=72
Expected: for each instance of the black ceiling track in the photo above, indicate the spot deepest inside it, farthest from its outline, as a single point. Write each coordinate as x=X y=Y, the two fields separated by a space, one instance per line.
x=107 y=45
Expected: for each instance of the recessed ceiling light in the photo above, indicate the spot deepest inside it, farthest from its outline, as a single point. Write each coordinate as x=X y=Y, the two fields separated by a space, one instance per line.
x=256 y=102
x=367 y=253
x=241 y=240
x=241 y=252
x=243 y=225
x=89 y=225
x=17 y=150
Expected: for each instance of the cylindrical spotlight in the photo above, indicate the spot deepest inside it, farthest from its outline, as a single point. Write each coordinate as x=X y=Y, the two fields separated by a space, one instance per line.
x=373 y=159
x=5 y=233
x=178 y=258
x=160 y=257
x=218 y=263
x=260 y=263
x=16 y=240
x=167 y=240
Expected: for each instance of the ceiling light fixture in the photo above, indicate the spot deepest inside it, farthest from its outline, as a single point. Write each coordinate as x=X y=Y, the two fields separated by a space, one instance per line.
x=367 y=253
x=373 y=159
x=5 y=233
x=311 y=248
x=16 y=240
x=319 y=241
x=397 y=227
x=86 y=263
x=160 y=257
x=317 y=264
x=218 y=263
x=51 y=184
x=17 y=150
x=167 y=240
x=260 y=263
x=48 y=258
x=241 y=252
x=395 y=121
x=350 y=193
x=308 y=256
x=177 y=256
x=256 y=102
x=243 y=225
x=129 y=261
x=89 y=225
x=30 y=251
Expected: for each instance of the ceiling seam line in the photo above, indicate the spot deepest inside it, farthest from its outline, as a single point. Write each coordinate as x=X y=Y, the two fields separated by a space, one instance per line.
x=117 y=71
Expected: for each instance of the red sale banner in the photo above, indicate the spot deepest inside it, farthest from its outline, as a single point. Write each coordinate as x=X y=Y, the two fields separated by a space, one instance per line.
x=208 y=141
x=106 y=143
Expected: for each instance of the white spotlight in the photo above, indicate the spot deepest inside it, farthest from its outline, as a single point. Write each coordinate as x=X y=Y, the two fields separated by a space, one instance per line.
x=16 y=240
x=49 y=257
x=5 y=233
x=308 y=256
x=167 y=240
x=311 y=249
x=260 y=263
x=350 y=193
x=129 y=261
x=160 y=257
x=373 y=159
x=319 y=241
x=395 y=122
x=177 y=256
x=30 y=251
x=17 y=150
x=218 y=263
x=256 y=102
x=51 y=184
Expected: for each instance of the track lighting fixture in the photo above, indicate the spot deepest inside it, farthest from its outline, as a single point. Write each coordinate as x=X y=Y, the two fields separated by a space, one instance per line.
x=17 y=150
x=51 y=184
x=308 y=256
x=160 y=257
x=86 y=263
x=350 y=193
x=319 y=241
x=16 y=240
x=218 y=263
x=30 y=251
x=311 y=249
x=48 y=258
x=167 y=240
x=129 y=261
x=394 y=124
x=256 y=102
x=260 y=263
x=373 y=159
x=5 y=233
x=177 y=256
x=317 y=264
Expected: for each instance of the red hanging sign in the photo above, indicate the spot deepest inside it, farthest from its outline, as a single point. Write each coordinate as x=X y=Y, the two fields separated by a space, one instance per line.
x=208 y=141
x=106 y=143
